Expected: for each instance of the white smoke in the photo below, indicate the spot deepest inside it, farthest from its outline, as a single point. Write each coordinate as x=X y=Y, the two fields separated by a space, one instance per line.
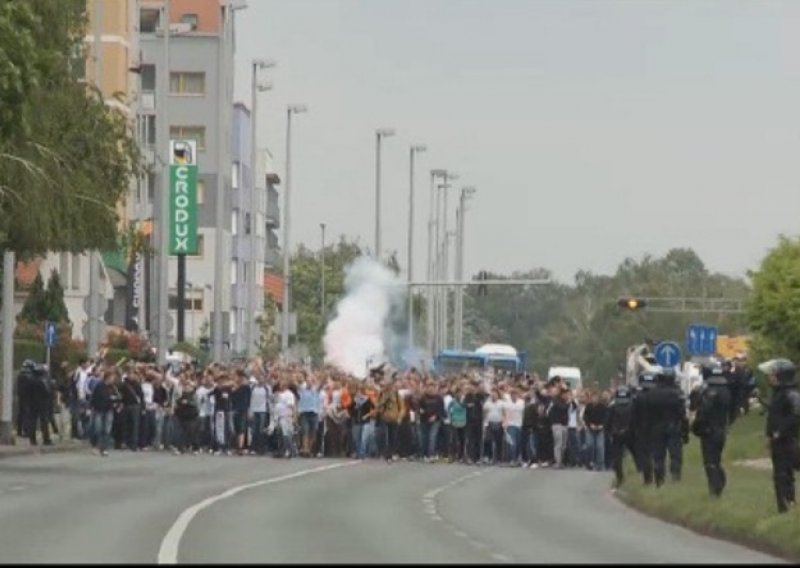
x=362 y=333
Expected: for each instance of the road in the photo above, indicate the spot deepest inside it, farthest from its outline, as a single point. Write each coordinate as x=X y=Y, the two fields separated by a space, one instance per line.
x=155 y=507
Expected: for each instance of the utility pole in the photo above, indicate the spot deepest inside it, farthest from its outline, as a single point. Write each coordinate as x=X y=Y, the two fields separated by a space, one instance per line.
x=430 y=295
x=163 y=209
x=323 y=311
x=379 y=133
x=7 y=398
x=93 y=335
x=413 y=151
x=466 y=194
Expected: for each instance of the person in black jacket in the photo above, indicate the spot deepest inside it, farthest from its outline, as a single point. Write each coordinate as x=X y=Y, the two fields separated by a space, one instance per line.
x=641 y=428
x=104 y=400
x=558 y=415
x=667 y=412
x=132 y=409
x=431 y=414
x=473 y=400
x=594 y=416
x=618 y=424
x=39 y=404
x=240 y=406
x=712 y=404
x=187 y=413
x=783 y=429
x=24 y=380
x=530 y=418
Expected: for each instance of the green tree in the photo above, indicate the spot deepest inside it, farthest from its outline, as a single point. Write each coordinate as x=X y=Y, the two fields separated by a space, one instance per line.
x=63 y=149
x=269 y=341
x=35 y=308
x=54 y=299
x=773 y=309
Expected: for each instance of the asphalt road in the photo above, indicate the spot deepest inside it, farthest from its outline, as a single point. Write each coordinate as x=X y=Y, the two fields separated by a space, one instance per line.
x=199 y=509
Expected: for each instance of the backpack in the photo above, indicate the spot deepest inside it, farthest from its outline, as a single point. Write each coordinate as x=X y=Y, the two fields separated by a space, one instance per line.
x=457 y=413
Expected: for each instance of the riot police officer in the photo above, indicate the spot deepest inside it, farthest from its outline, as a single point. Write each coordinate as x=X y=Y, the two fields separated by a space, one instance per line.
x=618 y=424
x=783 y=428
x=39 y=405
x=667 y=411
x=712 y=403
x=24 y=380
x=641 y=426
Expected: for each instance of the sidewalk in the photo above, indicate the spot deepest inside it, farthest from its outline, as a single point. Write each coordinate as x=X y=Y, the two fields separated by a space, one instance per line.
x=23 y=448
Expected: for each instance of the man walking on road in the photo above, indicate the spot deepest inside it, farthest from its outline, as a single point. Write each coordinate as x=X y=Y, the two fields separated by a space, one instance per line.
x=783 y=429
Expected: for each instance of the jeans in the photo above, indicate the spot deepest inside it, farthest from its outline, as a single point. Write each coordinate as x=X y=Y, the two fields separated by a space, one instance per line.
x=596 y=448
x=559 y=443
x=531 y=445
x=513 y=438
x=259 y=424
x=573 y=447
x=158 y=427
x=430 y=434
x=287 y=431
x=494 y=433
x=355 y=432
x=367 y=439
x=103 y=422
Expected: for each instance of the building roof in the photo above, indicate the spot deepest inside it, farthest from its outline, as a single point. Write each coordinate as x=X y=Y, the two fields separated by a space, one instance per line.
x=273 y=285
x=26 y=272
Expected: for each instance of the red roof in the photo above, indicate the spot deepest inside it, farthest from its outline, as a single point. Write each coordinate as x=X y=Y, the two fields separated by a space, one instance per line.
x=273 y=285
x=26 y=272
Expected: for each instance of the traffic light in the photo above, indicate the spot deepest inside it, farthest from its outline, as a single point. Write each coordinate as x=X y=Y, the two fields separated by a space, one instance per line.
x=483 y=290
x=632 y=304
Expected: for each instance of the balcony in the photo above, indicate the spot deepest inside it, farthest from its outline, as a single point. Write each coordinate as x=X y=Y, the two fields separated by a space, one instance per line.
x=272 y=258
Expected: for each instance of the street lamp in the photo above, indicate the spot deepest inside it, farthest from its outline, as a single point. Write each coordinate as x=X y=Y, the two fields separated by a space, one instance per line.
x=466 y=193
x=379 y=134
x=412 y=153
x=287 y=281
x=252 y=284
x=322 y=273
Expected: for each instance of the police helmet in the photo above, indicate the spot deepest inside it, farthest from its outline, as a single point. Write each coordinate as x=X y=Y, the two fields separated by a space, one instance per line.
x=648 y=380
x=714 y=374
x=623 y=393
x=28 y=365
x=783 y=369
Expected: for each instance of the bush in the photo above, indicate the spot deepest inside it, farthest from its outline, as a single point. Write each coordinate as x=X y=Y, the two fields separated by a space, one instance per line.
x=28 y=349
x=114 y=355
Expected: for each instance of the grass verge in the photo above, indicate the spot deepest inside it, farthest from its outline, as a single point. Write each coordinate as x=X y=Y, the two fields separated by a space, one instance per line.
x=746 y=513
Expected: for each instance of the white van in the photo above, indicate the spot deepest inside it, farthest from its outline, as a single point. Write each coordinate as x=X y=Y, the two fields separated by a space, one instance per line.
x=570 y=375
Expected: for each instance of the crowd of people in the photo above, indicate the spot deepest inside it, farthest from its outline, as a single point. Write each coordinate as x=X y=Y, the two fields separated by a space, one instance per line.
x=518 y=421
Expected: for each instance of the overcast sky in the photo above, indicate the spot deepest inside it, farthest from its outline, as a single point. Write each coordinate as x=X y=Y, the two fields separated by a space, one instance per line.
x=593 y=130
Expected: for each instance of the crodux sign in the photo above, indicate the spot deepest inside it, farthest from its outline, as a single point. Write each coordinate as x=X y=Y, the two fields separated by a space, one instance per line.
x=183 y=197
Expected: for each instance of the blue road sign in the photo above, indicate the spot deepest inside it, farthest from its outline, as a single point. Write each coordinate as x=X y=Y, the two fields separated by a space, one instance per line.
x=50 y=334
x=668 y=354
x=701 y=339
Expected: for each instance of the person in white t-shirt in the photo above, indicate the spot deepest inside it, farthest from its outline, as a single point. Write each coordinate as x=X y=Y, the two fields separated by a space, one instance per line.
x=513 y=410
x=285 y=411
x=493 y=423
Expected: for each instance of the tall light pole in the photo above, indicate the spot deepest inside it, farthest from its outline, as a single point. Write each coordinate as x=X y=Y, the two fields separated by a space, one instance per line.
x=442 y=229
x=323 y=311
x=429 y=308
x=287 y=251
x=379 y=134
x=413 y=151
x=163 y=209
x=252 y=284
x=466 y=193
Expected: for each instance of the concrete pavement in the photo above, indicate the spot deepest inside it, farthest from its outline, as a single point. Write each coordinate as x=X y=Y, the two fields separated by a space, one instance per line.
x=83 y=508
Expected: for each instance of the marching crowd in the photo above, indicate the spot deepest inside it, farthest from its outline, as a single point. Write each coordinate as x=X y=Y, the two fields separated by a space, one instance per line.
x=518 y=421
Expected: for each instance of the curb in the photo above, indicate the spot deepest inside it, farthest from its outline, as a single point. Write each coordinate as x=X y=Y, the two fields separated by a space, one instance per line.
x=25 y=450
x=709 y=532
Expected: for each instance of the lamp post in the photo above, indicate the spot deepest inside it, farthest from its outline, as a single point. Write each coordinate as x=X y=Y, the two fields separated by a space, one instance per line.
x=466 y=193
x=252 y=284
x=379 y=134
x=413 y=151
x=287 y=280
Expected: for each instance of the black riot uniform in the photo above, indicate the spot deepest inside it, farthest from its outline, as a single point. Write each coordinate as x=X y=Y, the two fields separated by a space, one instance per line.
x=23 y=396
x=783 y=429
x=641 y=428
x=667 y=411
x=39 y=400
x=618 y=425
x=712 y=403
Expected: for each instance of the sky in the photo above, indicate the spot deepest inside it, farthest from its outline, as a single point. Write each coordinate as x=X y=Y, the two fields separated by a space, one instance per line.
x=592 y=130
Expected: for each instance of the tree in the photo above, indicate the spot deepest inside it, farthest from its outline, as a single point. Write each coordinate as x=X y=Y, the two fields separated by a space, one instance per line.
x=773 y=309
x=63 y=148
x=54 y=299
x=269 y=341
x=35 y=308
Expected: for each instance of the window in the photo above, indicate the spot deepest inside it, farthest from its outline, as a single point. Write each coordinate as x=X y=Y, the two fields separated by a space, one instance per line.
x=148 y=77
x=196 y=133
x=185 y=83
x=151 y=186
x=190 y=19
x=149 y=19
x=247 y=223
x=150 y=129
x=201 y=192
x=190 y=303
x=233 y=318
x=235 y=222
x=244 y=273
x=201 y=246
x=235 y=175
x=76 y=271
x=234 y=272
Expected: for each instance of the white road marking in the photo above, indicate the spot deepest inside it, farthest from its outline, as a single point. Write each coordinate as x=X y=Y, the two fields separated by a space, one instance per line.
x=168 y=551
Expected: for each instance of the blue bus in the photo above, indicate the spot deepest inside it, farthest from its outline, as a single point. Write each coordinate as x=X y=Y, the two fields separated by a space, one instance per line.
x=498 y=358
